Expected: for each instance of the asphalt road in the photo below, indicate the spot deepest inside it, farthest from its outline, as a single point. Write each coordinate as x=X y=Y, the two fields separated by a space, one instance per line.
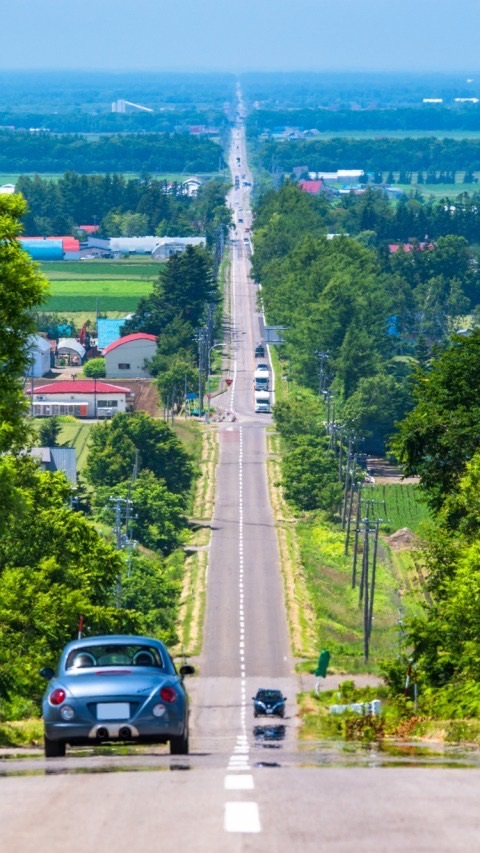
x=247 y=784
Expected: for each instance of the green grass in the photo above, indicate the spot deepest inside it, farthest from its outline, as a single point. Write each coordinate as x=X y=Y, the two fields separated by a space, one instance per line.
x=108 y=270
x=91 y=295
x=398 y=505
x=76 y=435
x=338 y=616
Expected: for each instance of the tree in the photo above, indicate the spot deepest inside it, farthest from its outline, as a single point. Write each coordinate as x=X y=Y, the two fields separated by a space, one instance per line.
x=54 y=567
x=158 y=515
x=440 y=435
x=310 y=476
x=94 y=368
x=22 y=289
x=129 y=439
x=179 y=375
x=49 y=431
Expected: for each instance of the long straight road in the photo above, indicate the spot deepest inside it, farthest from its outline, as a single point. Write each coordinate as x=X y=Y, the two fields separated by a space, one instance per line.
x=244 y=787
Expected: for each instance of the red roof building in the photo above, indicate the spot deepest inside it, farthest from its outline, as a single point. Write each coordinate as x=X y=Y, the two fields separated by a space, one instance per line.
x=312 y=187
x=83 y=398
x=138 y=336
x=130 y=356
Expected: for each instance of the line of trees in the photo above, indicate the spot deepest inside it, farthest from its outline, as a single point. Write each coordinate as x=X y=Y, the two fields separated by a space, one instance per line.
x=153 y=152
x=427 y=153
x=121 y=206
x=375 y=313
x=428 y=117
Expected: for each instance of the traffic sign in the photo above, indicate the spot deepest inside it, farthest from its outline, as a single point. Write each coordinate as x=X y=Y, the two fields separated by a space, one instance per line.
x=229 y=381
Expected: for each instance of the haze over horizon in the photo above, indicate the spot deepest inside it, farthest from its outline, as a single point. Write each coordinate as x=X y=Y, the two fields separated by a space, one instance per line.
x=314 y=35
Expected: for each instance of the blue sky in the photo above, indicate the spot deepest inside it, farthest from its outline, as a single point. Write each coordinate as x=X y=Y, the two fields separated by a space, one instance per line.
x=396 y=35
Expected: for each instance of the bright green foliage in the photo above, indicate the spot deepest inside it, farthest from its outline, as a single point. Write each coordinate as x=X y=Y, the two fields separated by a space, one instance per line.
x=113 y=446
x=22 y=289
x=95 y=368
x=153 y=587
x=180 y=375
x=184 y=288
x=157 y=515
x=310 y=477
x=49 y=431
x=54 y=567
x=441 y=434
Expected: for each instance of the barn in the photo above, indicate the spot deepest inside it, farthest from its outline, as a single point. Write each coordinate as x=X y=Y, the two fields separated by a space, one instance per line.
x=126 y=357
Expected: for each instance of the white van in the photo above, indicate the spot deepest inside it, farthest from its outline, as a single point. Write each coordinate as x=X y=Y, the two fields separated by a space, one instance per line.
x=262 y=401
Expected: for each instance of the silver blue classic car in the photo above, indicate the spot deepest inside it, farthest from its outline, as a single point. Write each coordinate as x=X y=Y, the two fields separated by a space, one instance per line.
x=115 y=688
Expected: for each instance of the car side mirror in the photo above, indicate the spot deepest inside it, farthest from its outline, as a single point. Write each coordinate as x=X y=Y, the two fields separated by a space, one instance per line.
x=187 y=669
x=284 y=698
x=47 y=672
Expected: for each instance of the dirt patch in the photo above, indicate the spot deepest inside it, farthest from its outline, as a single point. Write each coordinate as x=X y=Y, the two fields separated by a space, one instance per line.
x=384 y=472
x=403 y=540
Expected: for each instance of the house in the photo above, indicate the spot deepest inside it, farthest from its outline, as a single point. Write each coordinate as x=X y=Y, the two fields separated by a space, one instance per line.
x=7 y=189
x=191 y=186
x=167 y=246
x=312 y=187
x=82 y=398
x=40 y=358
x=127 y=356
x=57 y=459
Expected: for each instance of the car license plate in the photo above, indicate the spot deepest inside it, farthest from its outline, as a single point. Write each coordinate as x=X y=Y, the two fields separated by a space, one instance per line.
x=113 y=711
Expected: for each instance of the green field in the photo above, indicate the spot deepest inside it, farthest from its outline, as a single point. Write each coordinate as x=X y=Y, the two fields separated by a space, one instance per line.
x=92 y=295
x=76 y=435
x=132 y=268
x=398 y=505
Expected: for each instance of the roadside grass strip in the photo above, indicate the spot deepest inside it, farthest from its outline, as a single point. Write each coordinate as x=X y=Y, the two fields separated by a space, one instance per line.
x=300 y=613
x=192 y=604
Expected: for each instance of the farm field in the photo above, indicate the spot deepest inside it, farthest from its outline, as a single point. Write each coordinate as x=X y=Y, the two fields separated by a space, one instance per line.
x=132 y=268
x=93 y=295
x=398 y=505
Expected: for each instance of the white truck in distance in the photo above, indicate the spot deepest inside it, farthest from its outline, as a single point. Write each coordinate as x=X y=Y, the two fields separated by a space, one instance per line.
x=261 y=380
x=262 y=401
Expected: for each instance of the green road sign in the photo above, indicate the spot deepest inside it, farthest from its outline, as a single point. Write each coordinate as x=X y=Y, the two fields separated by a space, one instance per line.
x=322 y=665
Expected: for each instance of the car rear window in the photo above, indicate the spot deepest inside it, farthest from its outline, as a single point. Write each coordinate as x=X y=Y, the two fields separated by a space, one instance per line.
x=114 y=654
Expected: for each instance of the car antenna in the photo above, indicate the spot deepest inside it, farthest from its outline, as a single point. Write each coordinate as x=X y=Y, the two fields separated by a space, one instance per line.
x=80 y=627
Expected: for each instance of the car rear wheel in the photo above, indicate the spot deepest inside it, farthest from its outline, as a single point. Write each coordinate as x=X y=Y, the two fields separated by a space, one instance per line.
x=179 y=745
x=54 y=748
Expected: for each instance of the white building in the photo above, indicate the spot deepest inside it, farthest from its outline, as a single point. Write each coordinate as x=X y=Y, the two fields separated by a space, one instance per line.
x=191 y=186
x=69 y=352
x=126 y=357
x=167 y=246
x=7 y=189
x=83 y=398
x=40 y=355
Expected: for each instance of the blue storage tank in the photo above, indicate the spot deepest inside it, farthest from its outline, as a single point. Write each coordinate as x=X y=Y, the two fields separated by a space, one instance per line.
x=44 y=250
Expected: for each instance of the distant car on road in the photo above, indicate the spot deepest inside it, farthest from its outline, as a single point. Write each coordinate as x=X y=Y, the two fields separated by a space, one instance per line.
x=115 y=688
x=259 y=351
x=262 y=365
x=270 y=703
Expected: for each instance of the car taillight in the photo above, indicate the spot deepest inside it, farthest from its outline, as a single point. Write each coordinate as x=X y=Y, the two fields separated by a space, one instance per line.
x=168 y=694
x=57 y=696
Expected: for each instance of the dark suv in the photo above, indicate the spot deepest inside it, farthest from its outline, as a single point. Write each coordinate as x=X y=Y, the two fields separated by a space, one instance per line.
x=270 y=703
x=259 y=351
